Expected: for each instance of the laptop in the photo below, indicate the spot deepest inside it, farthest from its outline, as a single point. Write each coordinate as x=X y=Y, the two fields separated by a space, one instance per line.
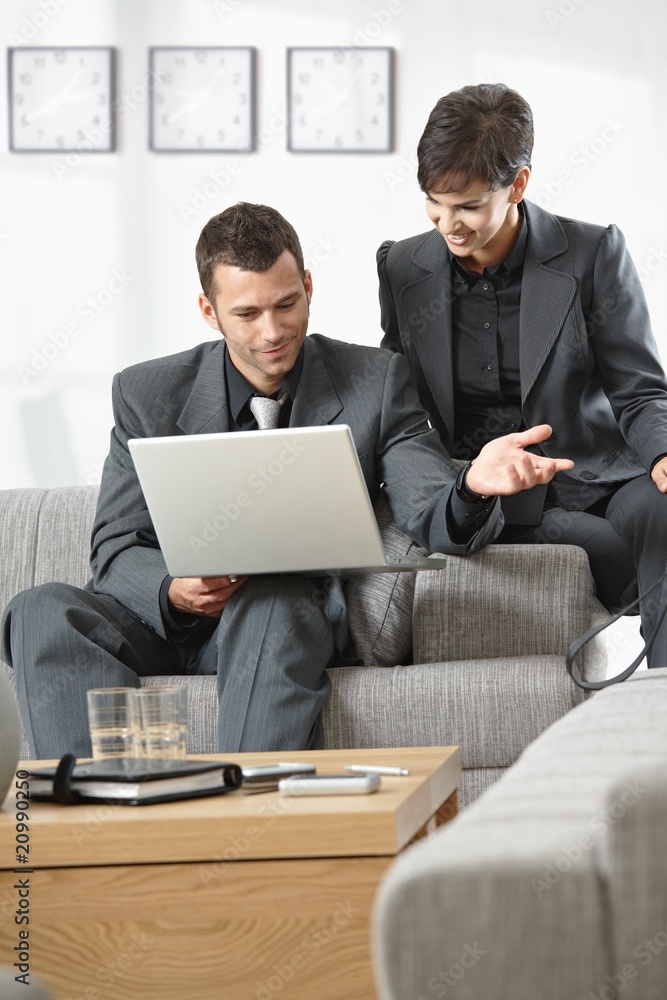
x=291 y=500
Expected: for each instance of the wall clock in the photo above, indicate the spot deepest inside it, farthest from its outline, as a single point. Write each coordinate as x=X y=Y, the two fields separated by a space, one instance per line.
x=340 y=100
x=202 y=100
x=60 y=99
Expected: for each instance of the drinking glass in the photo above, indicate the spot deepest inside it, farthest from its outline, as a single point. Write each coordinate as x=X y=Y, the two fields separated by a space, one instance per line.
x=111 y=720
x=160 y=721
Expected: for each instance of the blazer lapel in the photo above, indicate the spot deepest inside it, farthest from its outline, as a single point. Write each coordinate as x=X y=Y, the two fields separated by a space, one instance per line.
x=316 y=402
x=206 y=409
x=427 y=305
x=546 y=294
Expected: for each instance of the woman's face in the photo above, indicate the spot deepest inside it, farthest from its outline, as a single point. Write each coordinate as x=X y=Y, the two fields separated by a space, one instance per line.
x=478 y=225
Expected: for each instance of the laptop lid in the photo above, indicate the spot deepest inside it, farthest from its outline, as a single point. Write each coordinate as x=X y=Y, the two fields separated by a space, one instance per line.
x=249 y=502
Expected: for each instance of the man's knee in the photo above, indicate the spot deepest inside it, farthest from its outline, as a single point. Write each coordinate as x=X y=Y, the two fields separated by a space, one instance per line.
x=294 y=606
x=294 y=591
x=42 y=595
x=29 y=606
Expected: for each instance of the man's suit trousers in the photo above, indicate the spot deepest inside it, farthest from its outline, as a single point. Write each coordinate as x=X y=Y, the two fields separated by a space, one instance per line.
x=270 y=650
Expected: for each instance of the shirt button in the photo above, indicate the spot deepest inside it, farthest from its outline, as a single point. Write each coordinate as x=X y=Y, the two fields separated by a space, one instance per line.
x=489 y=368
x=485 y=287
x=588 y=475
x=486 y=326
x=512 y=426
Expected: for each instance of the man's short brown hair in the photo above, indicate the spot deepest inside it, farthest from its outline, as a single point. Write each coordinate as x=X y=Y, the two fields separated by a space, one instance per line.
x=482 y=132
x=248 y=236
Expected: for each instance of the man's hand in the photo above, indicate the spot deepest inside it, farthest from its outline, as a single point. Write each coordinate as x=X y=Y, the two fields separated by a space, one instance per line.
x=503 y=467
x=203 y=596
x=659 y=474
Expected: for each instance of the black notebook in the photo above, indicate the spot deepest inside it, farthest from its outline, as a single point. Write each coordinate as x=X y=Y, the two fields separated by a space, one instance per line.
x=132 y=781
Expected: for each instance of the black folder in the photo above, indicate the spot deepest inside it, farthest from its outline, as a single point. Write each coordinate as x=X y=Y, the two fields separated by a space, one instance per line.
x=132 y=781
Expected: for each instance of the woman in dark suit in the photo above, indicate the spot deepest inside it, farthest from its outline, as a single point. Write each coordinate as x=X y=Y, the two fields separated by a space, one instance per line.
x=510 y=316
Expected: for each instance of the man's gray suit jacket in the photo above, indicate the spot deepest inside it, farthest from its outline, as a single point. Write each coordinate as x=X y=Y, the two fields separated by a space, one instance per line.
x=367 y=388
x=589 y=364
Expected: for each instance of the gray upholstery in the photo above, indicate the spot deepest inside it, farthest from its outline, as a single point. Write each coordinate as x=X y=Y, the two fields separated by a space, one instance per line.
x=553 y=884
x=488 y=669
x=463 y=703
x=381 y=605
x=515 y=615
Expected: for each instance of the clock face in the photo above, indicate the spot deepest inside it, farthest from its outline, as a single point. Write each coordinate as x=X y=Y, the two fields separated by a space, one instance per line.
x=60 y=100
x=202 y=100
x=340 y=100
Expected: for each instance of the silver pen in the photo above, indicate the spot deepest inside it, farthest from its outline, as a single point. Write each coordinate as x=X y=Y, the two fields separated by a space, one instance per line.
x=375 y=769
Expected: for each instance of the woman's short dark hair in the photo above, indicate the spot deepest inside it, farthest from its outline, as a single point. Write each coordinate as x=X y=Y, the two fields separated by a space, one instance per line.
x=482 y=132
x=248 y=236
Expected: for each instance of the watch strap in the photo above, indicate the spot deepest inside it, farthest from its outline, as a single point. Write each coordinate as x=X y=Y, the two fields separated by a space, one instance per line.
x=464 y=491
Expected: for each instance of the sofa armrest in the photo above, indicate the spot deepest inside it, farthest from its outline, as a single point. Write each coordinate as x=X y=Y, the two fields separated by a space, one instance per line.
x=508 y=600
x=552 y=884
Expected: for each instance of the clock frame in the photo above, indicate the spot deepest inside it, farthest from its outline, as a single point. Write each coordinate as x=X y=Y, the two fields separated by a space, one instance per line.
x=202 y=99
x=61 y=99
x=340 y=99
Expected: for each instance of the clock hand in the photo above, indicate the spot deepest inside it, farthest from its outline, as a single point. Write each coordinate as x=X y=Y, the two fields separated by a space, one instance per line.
x=71 y=83
x=53 y=103
x=198 y=99
x=214 y=79
x=337 y=98
x=327 y=85
x=186 y=109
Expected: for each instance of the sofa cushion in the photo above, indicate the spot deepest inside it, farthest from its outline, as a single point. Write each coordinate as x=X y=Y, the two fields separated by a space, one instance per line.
x=45 y=537
x=535 y=599
x=63 y=543
x=380 y=604
x=19 y=516
x=492 y=708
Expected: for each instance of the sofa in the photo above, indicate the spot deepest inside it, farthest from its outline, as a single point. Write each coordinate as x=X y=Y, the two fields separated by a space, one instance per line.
x=552 y=885
x=472 y=655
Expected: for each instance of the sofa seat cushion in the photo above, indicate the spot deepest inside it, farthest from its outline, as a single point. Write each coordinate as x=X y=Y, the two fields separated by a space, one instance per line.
x=492 y=709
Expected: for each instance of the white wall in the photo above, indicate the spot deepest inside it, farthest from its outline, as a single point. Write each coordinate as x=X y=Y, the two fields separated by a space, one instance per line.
x=593 y=70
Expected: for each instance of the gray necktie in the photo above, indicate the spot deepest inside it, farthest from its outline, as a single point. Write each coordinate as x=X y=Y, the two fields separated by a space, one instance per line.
x=266 y=411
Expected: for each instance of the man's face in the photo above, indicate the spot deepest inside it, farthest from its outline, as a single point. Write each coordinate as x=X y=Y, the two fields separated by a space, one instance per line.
x=479 y=226
x=263 y=316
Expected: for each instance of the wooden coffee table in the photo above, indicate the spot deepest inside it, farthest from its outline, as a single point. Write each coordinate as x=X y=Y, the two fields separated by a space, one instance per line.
x=233 y=897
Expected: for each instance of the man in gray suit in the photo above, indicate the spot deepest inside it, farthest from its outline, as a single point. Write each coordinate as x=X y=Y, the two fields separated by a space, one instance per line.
x=269 y=639
x=510 y=316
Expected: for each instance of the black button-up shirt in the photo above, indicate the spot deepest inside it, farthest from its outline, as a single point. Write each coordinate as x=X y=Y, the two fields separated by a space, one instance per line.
x=485 y=318
x=487 y=381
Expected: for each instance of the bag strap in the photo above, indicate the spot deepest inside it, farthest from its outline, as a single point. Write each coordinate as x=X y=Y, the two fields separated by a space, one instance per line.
x=579 y=644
